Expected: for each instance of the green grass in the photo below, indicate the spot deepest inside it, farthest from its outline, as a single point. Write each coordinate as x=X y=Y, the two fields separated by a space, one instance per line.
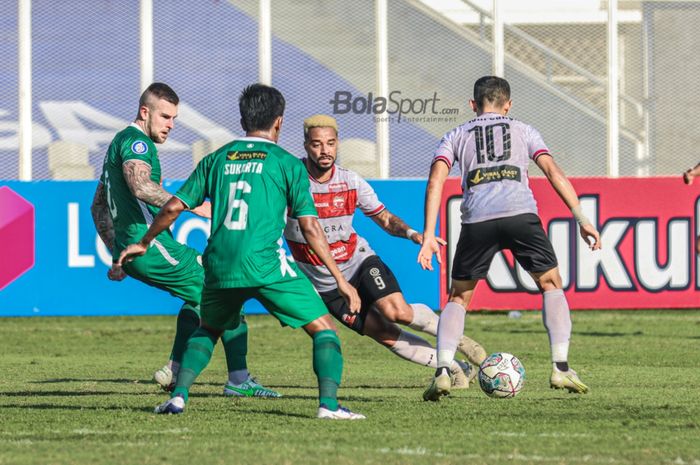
x=78 y=391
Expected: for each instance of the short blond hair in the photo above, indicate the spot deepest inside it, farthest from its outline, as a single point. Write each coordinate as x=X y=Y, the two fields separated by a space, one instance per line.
x=319 y=121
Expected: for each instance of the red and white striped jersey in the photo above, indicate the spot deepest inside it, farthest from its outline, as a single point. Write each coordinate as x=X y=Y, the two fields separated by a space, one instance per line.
x=336 y=201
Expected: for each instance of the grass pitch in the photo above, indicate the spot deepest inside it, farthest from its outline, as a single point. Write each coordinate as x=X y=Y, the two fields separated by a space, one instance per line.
x=78 y=391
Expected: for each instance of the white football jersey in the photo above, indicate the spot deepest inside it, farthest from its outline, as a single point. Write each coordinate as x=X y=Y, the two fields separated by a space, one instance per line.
x=493 y=152
x=336 y=201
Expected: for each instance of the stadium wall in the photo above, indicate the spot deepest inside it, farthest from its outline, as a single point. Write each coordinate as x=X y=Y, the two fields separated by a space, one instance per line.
x=54 y=263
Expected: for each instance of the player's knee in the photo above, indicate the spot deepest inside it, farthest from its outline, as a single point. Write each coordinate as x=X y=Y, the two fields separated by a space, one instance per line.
x=397 y=311
x=322 y=323
x=549 y=280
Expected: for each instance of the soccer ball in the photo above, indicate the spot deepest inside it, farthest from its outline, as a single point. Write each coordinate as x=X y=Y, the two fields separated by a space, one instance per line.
x=501 y=375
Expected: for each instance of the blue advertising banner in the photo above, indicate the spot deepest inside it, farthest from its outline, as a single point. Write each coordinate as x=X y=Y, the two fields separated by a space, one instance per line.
x=55 y=264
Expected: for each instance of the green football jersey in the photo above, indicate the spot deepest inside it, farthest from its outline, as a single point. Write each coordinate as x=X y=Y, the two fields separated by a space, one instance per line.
x=251 y=182
x=131 y=216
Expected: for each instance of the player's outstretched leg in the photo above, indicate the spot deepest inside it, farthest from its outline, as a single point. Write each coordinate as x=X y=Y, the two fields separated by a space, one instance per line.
x=328 y=367
x=196 y=357
x=240 y=382
x=187 y=324
x=426 y=320
x=415 y=349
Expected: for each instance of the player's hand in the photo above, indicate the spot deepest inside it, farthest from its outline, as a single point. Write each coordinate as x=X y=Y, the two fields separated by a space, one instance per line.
x=350 y=295
x=116 y=273
x=429 y=247
x=203 y=210
x=418 y=239
x=591 y=236
x=697 y=245
x=132 y=251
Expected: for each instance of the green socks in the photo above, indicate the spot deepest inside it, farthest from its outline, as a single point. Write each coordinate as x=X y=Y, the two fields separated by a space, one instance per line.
x=187 y=324
x=328 y=366
x=235 y=342
x=197 y=355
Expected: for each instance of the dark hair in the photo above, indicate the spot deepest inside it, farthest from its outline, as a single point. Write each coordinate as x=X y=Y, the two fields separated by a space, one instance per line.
x=491 y=89
x=260 y=106
x=159 y=91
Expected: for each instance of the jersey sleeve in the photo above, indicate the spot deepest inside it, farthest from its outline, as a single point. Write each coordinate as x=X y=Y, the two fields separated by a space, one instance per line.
x=194 y=190
x=535 y=143
x=300 y=202
x=138 y=148
x=445 y=150
x=367 y=199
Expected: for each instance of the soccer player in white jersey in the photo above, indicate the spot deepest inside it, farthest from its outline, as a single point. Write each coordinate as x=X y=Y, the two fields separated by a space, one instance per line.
x=337 y=194
x=499 y=212
x=688 y=177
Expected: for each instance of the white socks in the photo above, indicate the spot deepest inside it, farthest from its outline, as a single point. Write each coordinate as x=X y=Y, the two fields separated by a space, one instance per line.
x=424 y=319
x=450 y=331
x=557 y=320
x=415 y=349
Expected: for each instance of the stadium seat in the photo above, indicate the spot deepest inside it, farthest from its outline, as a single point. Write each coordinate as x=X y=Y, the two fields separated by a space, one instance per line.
x=69 y=160
x=203 y=147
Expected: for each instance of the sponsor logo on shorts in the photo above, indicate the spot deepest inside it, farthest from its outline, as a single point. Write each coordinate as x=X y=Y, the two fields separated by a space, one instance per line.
x=374 y=272
x=139 y=147
x=349 y=319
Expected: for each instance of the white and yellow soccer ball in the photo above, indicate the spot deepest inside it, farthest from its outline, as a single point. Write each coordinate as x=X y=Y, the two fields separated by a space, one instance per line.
x=501 y=375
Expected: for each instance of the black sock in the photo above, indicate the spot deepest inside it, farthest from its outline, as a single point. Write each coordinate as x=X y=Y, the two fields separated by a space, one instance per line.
x=562 y=366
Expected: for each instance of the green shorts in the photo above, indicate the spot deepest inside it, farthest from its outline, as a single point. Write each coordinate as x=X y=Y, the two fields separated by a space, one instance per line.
x=293 y=301
x=170 y=266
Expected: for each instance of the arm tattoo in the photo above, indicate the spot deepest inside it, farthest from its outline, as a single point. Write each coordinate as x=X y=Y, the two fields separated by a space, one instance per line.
x=138 y=177
x=391 y=223
x=102 y=218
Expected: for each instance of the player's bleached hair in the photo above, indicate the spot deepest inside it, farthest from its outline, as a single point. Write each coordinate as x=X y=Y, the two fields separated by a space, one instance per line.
x=319 y=121
x=492 y=89
x=260 y=106
x=158 y=90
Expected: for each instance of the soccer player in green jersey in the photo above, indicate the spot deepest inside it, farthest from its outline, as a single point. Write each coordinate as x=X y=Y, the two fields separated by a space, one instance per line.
x=128 y=196
x=252 y=183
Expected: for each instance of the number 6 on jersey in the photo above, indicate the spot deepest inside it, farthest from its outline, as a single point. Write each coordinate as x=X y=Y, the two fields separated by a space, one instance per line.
x=237 y=204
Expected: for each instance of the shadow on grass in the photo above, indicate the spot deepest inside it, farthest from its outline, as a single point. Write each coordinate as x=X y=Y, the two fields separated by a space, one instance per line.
x=68 y=393
x=577 y=333
x=93 y=380
x=76 y=407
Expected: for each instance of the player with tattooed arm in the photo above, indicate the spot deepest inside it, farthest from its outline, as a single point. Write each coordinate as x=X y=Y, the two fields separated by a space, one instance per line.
x=128 y=197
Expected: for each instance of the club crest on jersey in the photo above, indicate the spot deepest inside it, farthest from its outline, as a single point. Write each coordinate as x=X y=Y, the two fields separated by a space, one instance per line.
x=139 y=147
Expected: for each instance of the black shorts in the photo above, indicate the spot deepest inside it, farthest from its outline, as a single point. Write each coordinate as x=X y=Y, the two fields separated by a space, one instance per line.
x=373 y=281
x=521 y=234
